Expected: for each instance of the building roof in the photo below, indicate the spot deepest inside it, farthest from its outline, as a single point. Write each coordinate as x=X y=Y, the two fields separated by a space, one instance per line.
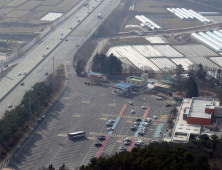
x=93 y=74
x=198 y=105
x=181 y=125
x=135 y=78
x=122 y=86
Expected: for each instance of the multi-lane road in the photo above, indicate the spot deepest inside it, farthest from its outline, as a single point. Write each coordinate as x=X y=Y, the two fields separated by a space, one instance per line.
x=63 y=49
x=80 y=107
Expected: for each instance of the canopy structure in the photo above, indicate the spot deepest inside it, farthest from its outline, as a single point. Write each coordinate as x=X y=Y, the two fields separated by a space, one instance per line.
x=93 y=74
x=123 y=86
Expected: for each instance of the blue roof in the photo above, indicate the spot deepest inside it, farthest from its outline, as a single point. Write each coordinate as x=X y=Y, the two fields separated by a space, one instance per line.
x=122 y=85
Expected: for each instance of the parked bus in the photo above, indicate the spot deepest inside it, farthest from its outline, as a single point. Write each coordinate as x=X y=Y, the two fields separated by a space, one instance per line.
x=76 y=135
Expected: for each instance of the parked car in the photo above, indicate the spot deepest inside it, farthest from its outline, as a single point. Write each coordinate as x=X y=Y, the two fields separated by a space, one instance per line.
x=111 y=120
x=109 y=129
x=19 y=74
x=138 y=120
x=132 y=111
x=47 y=47
x=24 y=73
x=122 y=148
x=154 y=117
x=43 y=55
x=127 y=139
x=6 y=65
x=148 y=120
x=146 y=124
x=22 y=84
x=127 y=143
x=46 y=73
x=136 y=123
x=159 y=98
x=130 y=103
x=168 y=105
x=134 y=128
x=9 y=106
x=109 y=124
x=143 y=107
x=43 y=116
x=101 y=137
x=66 y=40
x=98 y=144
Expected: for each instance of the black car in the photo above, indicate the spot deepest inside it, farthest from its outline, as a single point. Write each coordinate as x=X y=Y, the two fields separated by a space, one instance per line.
x=46 y=73
x=138 y=120
x=22 y=84
x=168 y=105
x=6 y=65
x=98 y=144
x=101 y=137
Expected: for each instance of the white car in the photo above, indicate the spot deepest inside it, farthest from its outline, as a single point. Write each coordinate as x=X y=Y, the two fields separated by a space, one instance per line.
x=60 y=38
x=109 y=129
x=24 y=73
x=9 y=106
x=154 y=117
x=19 y=74
x=130 y=103
x=111 y=120
x=132 y=111
x=43 y=55
x=159 y=98
x=143 y=107
x=47 y=47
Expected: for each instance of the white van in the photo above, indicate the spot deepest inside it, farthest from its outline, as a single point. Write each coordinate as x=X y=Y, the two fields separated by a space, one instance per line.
x=148 y=120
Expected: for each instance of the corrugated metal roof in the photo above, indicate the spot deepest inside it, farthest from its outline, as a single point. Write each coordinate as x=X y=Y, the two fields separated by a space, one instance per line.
x=207 y=42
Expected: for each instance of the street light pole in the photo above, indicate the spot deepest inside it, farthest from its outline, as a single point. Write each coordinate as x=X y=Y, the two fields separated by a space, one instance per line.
x=53 y=65
x=30 y=110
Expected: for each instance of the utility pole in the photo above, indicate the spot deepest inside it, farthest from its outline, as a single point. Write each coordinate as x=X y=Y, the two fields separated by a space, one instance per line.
x=53 y=65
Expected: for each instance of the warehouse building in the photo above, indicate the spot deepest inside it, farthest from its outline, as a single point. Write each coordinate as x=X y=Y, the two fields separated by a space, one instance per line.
x=194 y=116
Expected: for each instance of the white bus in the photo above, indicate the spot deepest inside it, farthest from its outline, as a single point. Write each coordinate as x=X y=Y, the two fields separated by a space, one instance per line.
x=78 y=134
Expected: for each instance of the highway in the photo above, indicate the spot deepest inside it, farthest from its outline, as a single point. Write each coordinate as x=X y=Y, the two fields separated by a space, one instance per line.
x=81 y=33
x=81 y=107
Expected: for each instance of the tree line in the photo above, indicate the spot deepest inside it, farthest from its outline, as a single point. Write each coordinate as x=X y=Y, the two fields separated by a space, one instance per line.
x=201 y=153
x=107 y=65
x=196 y=76
x=16 y=121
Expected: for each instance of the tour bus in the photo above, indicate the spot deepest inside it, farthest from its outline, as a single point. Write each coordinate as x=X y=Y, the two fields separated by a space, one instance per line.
x=76 y=135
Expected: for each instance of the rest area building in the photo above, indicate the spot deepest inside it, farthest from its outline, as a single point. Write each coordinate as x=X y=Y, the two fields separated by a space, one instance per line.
x=139 y=83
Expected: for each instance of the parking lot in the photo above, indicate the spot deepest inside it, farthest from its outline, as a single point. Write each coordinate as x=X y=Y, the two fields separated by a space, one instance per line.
x=92 y=113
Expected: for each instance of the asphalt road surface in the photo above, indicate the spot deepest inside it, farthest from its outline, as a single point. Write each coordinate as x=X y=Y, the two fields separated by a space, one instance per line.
x=78 y=36
x=86 y=108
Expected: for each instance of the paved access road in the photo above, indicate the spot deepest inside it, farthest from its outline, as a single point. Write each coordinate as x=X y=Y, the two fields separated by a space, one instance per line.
x=68 y=48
